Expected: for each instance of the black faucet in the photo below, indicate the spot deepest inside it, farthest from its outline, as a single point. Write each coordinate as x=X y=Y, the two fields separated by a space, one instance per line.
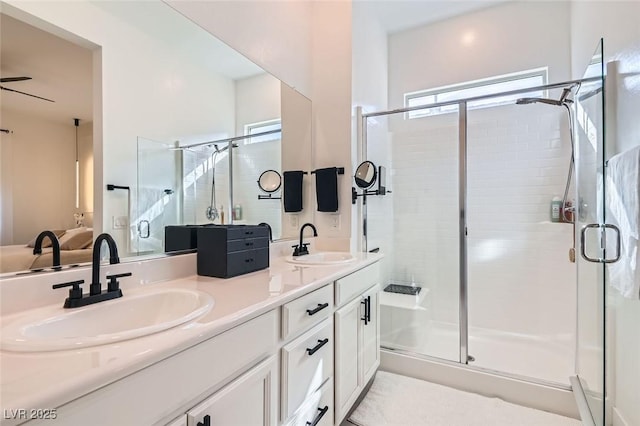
x=269 y=228
x=96 y=294
x=37 y=248
x=96 y=287
x=301 y=249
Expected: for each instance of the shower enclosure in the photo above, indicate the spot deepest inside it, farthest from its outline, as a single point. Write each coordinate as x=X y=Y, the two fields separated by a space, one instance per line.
x=471 y=225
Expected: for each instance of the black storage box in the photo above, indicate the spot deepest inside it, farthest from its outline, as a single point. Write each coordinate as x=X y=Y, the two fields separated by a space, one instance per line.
x=226 y=251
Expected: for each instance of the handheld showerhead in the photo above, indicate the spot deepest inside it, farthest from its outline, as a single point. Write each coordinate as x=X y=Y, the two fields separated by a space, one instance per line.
x=563 y=101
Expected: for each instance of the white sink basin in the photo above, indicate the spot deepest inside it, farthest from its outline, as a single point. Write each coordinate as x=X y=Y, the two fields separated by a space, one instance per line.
x=321 y=258
x=53 y=328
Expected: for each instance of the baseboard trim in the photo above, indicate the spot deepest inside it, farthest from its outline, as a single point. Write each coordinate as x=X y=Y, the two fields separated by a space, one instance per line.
x=533 y=395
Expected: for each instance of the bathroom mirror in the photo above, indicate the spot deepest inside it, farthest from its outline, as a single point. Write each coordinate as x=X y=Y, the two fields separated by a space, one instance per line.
x=270 y=181
x=365 y=175
x=164 y=79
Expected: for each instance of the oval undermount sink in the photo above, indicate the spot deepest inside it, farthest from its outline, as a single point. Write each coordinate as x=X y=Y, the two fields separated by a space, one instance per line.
x=53 y=328
x=321 y=258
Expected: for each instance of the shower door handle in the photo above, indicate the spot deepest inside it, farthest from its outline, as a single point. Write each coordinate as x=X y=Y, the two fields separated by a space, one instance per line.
x=144 y=225
x=603 y=232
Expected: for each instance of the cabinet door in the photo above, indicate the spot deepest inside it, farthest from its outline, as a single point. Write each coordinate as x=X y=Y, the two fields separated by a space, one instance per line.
x=370 y=351
x=347 y=326
x=249 y=400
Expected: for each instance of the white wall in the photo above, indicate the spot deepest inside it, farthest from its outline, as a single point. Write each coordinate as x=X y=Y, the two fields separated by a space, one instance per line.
x=617 y=23
x=331 y=95
x=506 y=38
x=40 y=156
x=369 y=91
x=275 y=35
x=146 y=88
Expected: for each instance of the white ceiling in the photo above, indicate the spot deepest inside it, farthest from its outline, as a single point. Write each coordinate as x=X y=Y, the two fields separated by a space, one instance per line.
x=399 y=15
x=60 y=71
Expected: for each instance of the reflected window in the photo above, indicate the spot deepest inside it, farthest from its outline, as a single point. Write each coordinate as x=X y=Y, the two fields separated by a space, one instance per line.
x=470 y=89
x=264 y=126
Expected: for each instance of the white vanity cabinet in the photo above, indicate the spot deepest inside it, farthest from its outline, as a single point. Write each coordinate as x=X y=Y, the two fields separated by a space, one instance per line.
x=251 y=399
x=307 y=360
x=357 y=336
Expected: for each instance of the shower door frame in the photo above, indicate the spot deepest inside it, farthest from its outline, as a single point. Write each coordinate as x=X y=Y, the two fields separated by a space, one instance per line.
x=462 y=104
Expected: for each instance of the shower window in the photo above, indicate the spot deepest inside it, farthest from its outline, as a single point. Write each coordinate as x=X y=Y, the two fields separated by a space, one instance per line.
x=471 y=89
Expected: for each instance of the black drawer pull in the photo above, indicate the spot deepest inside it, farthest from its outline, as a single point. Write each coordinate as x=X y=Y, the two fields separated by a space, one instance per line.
x=322 y=412
x=249 y=260
x=248 y=244
x=320 y=307
x=248 y=233
x=366 y=310
x=320 y=344
x=207 y=421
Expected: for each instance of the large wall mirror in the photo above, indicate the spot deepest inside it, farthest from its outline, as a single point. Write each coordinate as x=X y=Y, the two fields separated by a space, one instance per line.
x=150 y=88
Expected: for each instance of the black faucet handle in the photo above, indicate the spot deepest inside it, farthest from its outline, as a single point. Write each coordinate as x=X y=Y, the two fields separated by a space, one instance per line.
x=114 y=284
x=75 y=292
x=300 y=250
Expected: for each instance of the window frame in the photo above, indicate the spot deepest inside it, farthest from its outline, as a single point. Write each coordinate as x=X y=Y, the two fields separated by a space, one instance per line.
x=248 y=128
x=437 y=93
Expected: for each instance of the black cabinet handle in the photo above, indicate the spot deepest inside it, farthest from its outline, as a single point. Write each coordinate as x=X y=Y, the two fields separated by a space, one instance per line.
x=248 y=244
x=320 y=344
x=320 y=307
x=249 y=260
x=206 y=421
x=248 y=233
x=368 y=307
x=322 y=412
x=365 y=318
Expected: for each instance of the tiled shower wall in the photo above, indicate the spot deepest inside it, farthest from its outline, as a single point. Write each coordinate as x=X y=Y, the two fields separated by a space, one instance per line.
x=520 y=279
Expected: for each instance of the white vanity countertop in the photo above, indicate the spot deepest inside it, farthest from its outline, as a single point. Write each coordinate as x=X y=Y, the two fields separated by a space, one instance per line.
x=45 y=380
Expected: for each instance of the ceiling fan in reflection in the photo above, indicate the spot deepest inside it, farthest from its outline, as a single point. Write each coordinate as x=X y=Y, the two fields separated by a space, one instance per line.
x=13 y=79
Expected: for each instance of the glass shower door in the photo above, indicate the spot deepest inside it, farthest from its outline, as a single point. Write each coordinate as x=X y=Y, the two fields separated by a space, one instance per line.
x=421 y=291
x=158 y=195
x=590 y=236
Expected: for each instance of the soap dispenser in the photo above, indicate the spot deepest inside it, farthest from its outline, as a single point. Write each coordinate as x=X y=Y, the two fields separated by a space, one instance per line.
x=556 y=209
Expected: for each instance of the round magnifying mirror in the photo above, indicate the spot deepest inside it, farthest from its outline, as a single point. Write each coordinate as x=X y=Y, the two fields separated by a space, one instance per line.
x=365 y=174
x=270 y=181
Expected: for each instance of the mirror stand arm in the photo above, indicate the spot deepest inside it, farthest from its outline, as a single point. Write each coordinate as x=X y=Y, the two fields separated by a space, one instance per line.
x=355 y=195
x=268 y=197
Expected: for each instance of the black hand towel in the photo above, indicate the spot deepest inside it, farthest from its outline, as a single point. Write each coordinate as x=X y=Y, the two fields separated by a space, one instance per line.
x=327 y=189
x=293 y=191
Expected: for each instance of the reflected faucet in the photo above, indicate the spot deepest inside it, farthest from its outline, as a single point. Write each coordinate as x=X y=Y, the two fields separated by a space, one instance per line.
x=269 y=228
x=37 y=248
x=301 y=249
x=95 y=287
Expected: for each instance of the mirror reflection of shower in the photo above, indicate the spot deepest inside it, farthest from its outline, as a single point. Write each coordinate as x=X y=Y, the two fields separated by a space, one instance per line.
x=212 y=212
x=565 y=102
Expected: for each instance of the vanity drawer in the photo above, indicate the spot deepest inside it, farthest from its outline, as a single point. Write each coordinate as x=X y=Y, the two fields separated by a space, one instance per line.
x=305 y=311
x=318 y=406
x=352 y=285
x=307 y=362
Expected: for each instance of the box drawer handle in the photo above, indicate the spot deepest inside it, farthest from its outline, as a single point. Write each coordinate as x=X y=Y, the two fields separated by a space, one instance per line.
x=320 y=307
x=248 y=244
x=322 y=412
x=320 y=344
x=249 y=260
x=207 y=421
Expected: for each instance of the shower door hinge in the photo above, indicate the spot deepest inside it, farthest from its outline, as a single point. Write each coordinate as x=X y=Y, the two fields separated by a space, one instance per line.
x=603 y=243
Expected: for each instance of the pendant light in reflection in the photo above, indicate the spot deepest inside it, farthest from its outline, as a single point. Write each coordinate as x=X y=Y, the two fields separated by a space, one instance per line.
x=76 y=122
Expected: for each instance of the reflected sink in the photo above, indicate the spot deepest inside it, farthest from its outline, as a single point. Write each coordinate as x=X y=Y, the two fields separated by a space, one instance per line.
x=321 y=258
x=53 y=328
